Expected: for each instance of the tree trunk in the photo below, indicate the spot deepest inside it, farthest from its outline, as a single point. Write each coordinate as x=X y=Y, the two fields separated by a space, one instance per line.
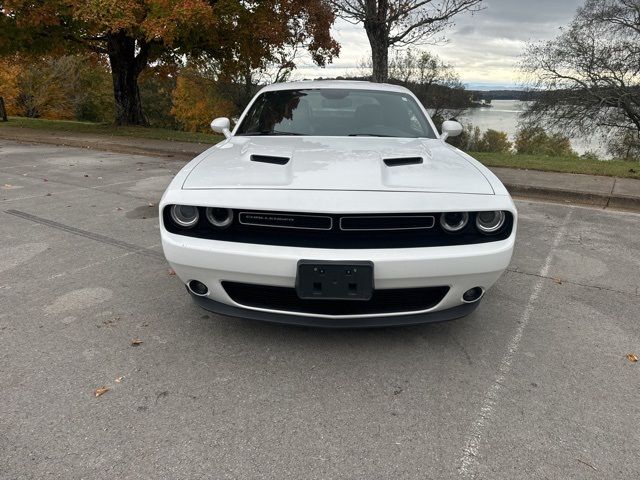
x=3 y=111
x=125 y=70
x=379 y=41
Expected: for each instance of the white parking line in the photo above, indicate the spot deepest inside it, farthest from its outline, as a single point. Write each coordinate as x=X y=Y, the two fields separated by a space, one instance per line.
x=469 y=460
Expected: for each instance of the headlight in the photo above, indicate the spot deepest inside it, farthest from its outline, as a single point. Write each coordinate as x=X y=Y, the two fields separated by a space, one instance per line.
x=185 y=216
x=454 y=221
x=220 y=217
x=490 y=222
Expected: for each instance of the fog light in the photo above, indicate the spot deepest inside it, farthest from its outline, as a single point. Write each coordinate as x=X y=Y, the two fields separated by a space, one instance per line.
x=473 y=294
x=197 y=288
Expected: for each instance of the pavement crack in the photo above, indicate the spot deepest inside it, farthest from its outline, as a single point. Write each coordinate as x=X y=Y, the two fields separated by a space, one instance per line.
x=462 y=348
x=571 y=282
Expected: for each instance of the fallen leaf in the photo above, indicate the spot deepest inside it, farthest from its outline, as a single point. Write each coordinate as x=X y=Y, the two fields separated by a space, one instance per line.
x=632 y=357
x=136 y=342
x=557 y=280
x=171 y=271
x=110 y=321
x=100 y=391
x=150 y=204
x=119 y=379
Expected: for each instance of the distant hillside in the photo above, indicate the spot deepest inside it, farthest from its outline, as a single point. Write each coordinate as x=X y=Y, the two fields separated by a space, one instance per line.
x=503 y=95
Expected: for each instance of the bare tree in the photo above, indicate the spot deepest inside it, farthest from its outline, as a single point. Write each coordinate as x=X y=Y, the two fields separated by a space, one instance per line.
x=433 y=81
x=390 y=23
x=589 y=76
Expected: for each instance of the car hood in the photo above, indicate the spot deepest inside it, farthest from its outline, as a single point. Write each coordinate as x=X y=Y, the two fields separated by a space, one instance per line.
x=336 y=163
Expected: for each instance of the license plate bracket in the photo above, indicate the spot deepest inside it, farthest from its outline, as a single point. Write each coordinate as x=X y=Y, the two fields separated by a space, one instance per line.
x=329 y=280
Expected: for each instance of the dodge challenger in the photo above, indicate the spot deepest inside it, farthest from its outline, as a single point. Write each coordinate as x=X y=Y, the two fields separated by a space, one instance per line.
x=337 y=204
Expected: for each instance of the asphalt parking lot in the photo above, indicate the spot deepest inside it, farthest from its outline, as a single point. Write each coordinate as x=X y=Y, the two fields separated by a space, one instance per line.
x=534 y=384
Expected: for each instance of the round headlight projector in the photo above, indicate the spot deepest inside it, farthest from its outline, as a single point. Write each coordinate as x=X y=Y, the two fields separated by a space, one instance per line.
x=220 y=217
x=490 y=222
x=185 y=216
x=454 y=221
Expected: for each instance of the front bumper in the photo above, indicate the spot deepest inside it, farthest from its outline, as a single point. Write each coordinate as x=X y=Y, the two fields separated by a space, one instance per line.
x=457 y=267
x=345 y=322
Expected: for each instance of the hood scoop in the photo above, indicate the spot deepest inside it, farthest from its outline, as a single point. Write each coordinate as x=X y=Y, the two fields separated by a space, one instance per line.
x=270 y=159
x=400 y=162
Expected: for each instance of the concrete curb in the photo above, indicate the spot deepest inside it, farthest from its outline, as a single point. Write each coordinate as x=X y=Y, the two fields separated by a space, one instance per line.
x=618 y=202
x=107 y=146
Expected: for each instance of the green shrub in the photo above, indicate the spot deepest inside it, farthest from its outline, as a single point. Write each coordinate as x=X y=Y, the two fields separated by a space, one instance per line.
x=535 y=141
x=473 y=140
x=625 y=145
x=494 y=141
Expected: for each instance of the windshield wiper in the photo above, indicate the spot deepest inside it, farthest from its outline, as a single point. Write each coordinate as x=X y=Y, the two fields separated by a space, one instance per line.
x=271 y=132
x=369 y=135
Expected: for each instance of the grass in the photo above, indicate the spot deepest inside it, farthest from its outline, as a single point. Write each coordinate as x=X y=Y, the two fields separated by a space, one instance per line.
x=609 y=168
x=110 y=129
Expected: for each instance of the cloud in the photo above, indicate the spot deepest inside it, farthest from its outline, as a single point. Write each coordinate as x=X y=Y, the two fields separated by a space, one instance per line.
x=483 y=47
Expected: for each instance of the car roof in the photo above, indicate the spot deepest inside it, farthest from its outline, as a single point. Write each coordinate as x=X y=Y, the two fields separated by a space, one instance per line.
x=317 y=84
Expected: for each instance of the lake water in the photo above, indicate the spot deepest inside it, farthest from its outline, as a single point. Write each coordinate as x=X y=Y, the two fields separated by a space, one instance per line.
x=504 y=115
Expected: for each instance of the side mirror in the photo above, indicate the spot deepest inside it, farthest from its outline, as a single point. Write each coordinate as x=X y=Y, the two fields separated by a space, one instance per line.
x=450 y=128
x=222 y=125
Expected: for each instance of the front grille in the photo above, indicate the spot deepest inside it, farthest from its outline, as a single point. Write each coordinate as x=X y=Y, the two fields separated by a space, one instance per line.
x=286 y=220
x=285 y=299
x=374 y=223
x=352 y=231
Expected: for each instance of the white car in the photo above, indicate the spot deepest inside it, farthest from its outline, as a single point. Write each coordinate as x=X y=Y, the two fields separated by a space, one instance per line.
x=335 y=203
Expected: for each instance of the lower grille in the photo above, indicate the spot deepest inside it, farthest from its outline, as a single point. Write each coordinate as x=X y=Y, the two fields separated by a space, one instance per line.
x=285 y=299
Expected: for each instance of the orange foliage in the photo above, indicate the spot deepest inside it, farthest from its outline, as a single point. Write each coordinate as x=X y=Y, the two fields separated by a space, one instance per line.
x=196 y=102
x=9 y=90
x=235 y=34
x=52 y=87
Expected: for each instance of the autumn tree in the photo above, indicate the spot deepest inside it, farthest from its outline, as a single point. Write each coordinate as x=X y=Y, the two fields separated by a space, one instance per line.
x=197 y=99
x=135 y=33
x=400 y=23
x=63 y=87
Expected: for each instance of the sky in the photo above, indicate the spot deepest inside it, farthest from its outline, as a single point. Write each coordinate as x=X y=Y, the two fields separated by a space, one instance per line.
x=484 y=48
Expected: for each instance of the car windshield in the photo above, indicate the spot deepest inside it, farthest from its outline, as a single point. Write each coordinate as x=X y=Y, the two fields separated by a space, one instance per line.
x=336 y=112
